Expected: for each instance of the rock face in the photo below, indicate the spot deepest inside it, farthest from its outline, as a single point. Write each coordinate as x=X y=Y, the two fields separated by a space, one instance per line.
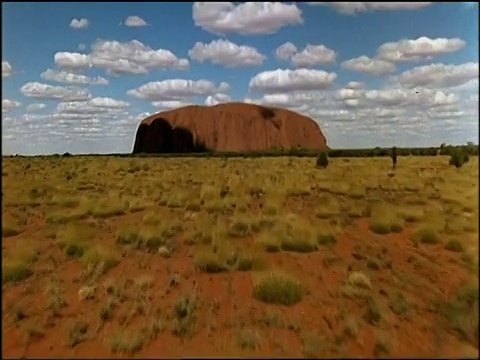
x=227 y=127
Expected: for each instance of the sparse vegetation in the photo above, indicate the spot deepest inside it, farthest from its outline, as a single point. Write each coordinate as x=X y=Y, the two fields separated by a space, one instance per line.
x=34 y=332
x=313 y=345
x=297 y=236
x=382 y=348
x=185 y=319
x=128 y=236
x=357 y=285
x=127 y=342
x=56 y=299
x=113 y=251
x=462 y=312
x=74 y=238
x=455 y=245
x=426 y=236
x=77 y=333
x=248 y=339
x=10 y=227
x=401 y=306
x=411 y=214
x=373 y=314
x=98 y=260
x=107 y=309
x=384 y=220
x=278 y=288
x=16 y=270
x=210 y=262
x=18 y=266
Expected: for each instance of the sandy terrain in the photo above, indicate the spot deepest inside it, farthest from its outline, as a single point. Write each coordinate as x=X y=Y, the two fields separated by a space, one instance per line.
x=270 y=257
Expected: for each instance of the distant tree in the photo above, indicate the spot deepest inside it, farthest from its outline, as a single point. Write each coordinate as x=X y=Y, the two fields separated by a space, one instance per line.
x=471 y=148
x=445 y=149
x=322 y=160
x=394 y=157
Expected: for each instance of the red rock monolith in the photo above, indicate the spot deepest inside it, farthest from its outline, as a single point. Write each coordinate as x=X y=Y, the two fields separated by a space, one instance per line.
x=236 y=127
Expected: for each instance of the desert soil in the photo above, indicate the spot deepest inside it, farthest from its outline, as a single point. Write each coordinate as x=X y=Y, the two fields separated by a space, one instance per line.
x=269 y=257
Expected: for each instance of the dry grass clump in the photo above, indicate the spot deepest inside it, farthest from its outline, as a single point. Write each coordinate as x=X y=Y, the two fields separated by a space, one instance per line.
x=278 y=288
x=384 y=220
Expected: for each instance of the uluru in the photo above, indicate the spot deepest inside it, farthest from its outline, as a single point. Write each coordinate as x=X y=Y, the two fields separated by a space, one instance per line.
x=228 y=127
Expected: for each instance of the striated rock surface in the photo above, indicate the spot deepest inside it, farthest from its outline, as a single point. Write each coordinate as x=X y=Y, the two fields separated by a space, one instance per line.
x=227 y=127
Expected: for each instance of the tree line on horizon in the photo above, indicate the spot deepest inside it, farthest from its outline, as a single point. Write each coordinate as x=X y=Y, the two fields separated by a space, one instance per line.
x=444 y=149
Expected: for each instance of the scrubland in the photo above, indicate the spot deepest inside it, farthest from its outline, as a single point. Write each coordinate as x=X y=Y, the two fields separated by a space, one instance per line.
x=270 y=257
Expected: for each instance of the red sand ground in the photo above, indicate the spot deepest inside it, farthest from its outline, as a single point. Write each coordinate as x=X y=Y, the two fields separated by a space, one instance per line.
x=225 y=301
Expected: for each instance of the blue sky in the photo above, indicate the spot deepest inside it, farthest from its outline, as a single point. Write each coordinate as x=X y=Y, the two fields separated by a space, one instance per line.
x=79 y=77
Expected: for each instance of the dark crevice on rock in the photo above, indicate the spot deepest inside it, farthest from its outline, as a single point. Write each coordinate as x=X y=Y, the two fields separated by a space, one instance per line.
x=160 y=137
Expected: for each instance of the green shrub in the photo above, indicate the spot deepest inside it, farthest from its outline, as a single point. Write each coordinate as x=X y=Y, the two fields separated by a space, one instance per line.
x=210 y=262
x=322 y=160
x=426 y=236
x=455 y=245
x=16 y=271
x=457 y=159
x=278 y=288
x=385 y=224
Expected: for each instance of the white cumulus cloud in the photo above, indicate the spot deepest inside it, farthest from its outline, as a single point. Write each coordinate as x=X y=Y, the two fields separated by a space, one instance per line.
x=439 y=75
x=285 y=51
x=216 y=99
x=96 y=106
x=134 y=21
x=356 y=85
x=418 y=49
x=226 y=53
x=71 y=78
x=107 y=102
x=7 y=70
x=388 y=97
x=314 y=55
x=119 y=58
x=409 y=97
x=293 y=101
x=281 y=81
x=36 y=107
x=223 y=87
x=69 y=60
x=9 y=105
x=349 y=94
x=352 y=8
x=43 y=91
x=173 y=89
x=245 y=18
x=79 y=24
x=170 y=104
x=310 y=56
x=366 y=65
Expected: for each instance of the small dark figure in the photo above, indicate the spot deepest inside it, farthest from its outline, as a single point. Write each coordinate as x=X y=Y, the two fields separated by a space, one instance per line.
x=394 y=157
x=322 y=160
